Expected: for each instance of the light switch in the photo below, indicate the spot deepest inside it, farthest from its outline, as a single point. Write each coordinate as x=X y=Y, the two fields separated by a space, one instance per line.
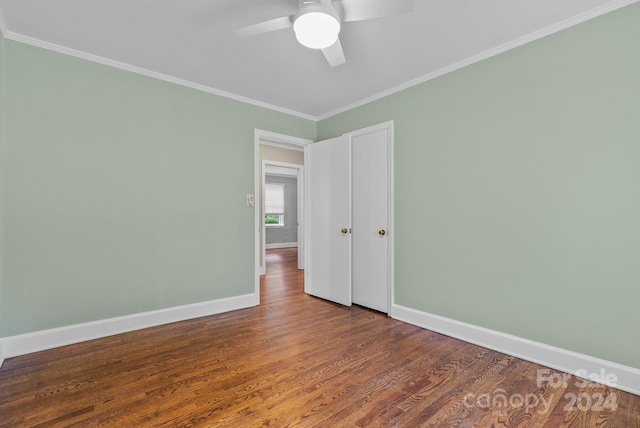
x=250 y=200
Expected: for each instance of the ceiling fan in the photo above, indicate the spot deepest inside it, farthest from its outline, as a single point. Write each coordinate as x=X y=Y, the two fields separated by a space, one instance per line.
x=317 y=23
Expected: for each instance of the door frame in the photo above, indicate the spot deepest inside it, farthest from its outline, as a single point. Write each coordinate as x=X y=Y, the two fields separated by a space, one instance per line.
x=269 y=138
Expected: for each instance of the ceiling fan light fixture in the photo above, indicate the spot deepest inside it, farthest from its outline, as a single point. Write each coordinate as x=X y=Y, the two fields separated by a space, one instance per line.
x=316 y=29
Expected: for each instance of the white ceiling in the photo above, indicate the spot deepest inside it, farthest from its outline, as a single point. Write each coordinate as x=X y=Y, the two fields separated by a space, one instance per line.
x=191 y=42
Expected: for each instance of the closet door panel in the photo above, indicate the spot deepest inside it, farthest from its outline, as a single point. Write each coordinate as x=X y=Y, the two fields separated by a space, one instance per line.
x=328 y=220
x=370 y=205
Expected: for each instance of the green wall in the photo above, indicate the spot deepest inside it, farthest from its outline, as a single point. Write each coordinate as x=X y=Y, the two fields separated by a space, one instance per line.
x=122 y=193
x=517 y=184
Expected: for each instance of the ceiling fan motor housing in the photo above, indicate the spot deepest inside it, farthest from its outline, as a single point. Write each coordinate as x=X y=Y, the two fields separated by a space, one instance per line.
x=317 y=24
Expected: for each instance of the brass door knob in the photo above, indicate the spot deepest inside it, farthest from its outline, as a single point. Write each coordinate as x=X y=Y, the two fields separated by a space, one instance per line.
x=382 y=232
x=344 y=230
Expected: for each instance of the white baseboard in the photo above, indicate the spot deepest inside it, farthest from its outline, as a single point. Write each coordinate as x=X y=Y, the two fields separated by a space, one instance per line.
x=22 y=344
x=628 y=378
x=281 y=245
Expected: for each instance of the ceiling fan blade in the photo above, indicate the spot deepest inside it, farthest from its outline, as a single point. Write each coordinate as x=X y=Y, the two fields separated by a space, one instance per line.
x=264 y=27
x=360 y=10
x=334 y=54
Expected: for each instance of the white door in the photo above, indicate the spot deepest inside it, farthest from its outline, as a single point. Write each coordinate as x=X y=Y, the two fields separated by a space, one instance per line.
x=370 y=239
x=328 y=219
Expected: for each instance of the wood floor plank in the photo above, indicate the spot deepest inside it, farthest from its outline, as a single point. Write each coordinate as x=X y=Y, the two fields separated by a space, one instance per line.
x=295 y=360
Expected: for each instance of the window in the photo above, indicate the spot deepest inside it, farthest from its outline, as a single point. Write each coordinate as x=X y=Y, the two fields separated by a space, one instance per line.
x=274 y=204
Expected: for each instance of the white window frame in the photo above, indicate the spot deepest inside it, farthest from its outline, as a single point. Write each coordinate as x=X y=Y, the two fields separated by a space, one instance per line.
x=280 y=224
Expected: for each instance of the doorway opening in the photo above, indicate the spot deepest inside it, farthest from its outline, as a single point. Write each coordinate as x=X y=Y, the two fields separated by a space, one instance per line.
x=278 y=160
x=283 y=196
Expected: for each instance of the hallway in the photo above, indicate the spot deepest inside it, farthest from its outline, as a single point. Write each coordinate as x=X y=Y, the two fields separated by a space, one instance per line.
x=282 y=272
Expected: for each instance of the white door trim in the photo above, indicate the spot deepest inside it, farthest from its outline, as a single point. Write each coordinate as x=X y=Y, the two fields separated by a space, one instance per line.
x=390 y=180
x=261 y=136
x=281 y=140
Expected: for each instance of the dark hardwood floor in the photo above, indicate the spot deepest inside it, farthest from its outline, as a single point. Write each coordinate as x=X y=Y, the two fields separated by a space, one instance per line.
x=296 y=361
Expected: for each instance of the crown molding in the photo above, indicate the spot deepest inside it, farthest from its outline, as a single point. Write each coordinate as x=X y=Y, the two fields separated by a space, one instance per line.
x=567 y=23
x=562 y=25
x=145 y=72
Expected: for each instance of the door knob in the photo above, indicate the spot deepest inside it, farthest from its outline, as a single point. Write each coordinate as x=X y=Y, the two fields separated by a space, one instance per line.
x=382 y=232
x=344 y=230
